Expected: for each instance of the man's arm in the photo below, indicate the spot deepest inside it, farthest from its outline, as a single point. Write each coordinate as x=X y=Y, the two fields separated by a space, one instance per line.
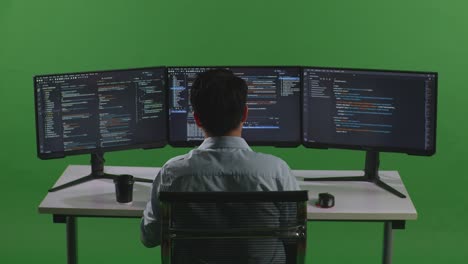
x=151 y=221
x=288 y=181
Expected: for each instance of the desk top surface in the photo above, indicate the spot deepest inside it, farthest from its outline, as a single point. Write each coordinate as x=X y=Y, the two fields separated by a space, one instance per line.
x=353 y=200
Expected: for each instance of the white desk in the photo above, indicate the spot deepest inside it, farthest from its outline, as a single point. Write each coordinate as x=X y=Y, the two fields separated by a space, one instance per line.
x=354 y=201
x=357 y=200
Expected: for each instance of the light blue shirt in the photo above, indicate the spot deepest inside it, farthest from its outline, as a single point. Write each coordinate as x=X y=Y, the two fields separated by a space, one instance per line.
x=218 y=164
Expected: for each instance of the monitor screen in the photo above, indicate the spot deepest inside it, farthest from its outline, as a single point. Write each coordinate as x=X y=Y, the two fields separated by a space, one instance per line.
x=273 y=100
x=370 y=110
x=79 y=113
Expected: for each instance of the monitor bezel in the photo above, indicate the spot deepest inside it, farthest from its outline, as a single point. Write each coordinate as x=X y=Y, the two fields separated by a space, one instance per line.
x=280 y=144
x=62 y=154
x=409 y=151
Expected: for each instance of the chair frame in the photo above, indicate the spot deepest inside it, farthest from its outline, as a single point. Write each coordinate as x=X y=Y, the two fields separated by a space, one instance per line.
x=297 y=232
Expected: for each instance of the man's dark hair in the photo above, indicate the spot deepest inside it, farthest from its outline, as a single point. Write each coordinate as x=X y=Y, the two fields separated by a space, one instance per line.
x=218 y=97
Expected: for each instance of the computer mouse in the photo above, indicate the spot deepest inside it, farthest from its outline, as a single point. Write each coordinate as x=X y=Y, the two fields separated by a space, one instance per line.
x=325 y=200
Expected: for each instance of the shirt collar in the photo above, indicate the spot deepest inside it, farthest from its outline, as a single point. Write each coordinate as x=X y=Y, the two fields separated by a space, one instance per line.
x=224 y=142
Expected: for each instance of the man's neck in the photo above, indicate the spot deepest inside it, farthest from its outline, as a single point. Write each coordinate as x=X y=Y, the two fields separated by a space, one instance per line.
x=237 y=132
x=234 y=133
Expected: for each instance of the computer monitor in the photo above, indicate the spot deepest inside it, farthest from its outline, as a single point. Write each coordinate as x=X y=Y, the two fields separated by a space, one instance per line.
x=97 y=112
x=372 y=110
x=273 y=100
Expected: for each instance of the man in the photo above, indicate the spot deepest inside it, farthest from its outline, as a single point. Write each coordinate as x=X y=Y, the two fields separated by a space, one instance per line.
x=224 y=161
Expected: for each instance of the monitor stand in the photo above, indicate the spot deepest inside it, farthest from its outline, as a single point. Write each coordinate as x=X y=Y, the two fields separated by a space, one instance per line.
x=97 y=172
x=371 y=174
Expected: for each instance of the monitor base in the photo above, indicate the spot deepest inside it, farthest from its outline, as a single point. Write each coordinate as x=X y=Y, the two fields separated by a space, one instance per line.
x=371 y=174
x=97 y=172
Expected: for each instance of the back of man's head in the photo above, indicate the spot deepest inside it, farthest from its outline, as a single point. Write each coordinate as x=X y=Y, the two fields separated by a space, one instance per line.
x=218 y=98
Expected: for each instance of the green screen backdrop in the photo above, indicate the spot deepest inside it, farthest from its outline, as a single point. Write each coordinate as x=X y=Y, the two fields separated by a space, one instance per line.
x=39 y=37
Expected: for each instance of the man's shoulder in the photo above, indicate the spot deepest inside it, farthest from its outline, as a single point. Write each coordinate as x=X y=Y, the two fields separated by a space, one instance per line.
x=175 y=161
x=271 y=159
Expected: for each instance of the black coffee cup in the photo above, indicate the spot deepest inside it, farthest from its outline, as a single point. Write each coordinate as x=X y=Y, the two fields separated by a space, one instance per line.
x=124 y=188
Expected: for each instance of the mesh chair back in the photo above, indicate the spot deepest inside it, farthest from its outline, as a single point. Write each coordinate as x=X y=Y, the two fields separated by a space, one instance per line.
x=233 y=227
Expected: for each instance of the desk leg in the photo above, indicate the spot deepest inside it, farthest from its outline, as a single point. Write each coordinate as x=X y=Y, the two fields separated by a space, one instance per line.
x=72 y=257
x=387 y=243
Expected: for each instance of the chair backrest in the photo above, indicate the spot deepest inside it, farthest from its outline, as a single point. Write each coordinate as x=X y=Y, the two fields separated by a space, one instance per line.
x=233 y=227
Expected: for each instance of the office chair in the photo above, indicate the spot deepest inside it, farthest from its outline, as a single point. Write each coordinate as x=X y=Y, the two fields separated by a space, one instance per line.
x=233 y=227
